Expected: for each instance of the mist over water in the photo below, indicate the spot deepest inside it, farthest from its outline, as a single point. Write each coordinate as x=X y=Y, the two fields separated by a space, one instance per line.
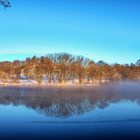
x=76 y=111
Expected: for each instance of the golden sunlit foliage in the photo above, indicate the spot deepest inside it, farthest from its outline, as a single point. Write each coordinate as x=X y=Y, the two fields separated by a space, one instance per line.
x=64 y=67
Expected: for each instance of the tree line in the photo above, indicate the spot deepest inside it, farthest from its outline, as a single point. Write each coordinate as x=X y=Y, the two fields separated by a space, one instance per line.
x=64 y=68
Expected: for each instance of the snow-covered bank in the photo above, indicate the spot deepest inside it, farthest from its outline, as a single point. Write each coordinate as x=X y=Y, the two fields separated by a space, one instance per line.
x=33 y=83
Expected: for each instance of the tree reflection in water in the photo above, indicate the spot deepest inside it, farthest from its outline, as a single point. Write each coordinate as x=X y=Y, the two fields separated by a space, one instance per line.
x=68 y=101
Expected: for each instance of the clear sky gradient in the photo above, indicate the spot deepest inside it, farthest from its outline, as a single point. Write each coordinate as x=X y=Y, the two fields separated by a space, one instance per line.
x=106 y=30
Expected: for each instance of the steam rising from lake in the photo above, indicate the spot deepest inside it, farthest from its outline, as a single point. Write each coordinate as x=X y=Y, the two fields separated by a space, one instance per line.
x=63 y=102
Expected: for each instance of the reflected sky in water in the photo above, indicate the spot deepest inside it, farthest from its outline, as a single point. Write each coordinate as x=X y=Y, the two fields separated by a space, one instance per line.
x=78 y=111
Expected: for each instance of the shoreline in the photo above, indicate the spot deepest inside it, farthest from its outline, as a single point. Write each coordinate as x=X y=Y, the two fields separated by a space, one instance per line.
x=73 y=85
x=47 y=85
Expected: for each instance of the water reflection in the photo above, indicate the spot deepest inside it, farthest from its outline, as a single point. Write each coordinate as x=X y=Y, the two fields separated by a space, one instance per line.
x=68 y=101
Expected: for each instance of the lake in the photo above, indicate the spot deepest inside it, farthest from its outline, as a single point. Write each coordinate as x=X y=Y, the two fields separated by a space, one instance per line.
x=87 y=112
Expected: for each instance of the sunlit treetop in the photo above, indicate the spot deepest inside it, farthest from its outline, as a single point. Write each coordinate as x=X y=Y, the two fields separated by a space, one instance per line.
x=5 y=3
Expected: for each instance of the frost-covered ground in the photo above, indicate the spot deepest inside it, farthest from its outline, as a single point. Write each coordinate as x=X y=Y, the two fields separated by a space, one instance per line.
x=28 y=82
x=25 y=82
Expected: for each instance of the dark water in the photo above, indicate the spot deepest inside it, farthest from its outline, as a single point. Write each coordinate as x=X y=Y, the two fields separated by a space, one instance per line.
x=108 y=111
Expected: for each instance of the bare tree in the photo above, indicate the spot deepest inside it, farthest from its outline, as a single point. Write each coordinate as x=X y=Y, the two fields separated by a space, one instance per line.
x=16 y=68
x=38 y=74
x=62 y=63
x=5 y=3
x=47 y=67
x=91 y=71
x=80 y=65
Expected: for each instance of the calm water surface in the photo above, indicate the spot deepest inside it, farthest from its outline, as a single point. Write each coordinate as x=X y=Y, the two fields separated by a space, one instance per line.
x=106 y=111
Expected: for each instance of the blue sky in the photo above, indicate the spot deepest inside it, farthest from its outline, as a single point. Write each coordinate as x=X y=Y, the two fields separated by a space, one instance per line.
x=106 y=30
